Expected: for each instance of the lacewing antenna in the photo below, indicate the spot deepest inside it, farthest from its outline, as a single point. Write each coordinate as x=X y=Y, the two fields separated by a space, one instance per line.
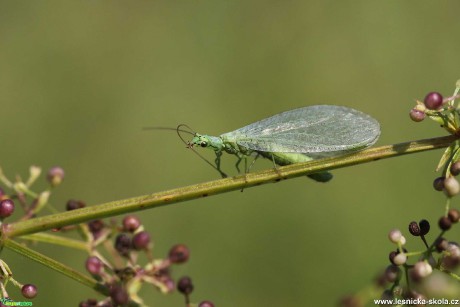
x=190 y=146
x=169 y=128
x=190 y=131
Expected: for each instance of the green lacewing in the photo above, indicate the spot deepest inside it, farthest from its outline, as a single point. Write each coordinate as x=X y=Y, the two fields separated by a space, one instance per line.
x=297 y=135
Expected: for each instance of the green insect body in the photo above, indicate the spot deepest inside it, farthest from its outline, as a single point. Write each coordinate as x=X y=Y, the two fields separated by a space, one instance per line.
x=286 y=158
x=296 y=136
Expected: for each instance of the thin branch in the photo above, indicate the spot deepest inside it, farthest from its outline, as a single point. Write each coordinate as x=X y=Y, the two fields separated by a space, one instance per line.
x=220 y=186
x=55 y=265
x=56 y=240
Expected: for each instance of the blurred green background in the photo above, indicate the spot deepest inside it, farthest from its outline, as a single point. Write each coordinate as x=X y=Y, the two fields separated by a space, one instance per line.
x=79 y=80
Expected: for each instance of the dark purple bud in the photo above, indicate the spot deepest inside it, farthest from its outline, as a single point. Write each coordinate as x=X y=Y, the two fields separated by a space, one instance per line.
x=444 y=223
x=123 y=244
x=185 y=285
x=441 y=244
x=414 y=229
x=74 y=204
x=433 y=101
x=96 y=227
x=438 y=183
x=141 y=240
x=94 y=265
x=29 y=291
x=131 y=223
x=455 y=168
x=6 y=208
x=424 y=227
x=179 y=253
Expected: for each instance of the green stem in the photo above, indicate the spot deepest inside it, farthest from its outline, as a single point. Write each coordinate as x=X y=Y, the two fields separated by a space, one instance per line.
x=453 y=275
x=55 y=265
x=56 y=240
x=220 y=186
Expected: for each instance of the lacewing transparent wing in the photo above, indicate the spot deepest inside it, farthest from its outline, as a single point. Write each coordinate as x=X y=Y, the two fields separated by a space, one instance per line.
x=322 y=130
x=296 y=136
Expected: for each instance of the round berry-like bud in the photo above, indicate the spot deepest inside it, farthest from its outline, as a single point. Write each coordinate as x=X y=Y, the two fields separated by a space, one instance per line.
x=451 y=187
x=141 y=240
x=400 y=259
x=179 y=253
x=96 y=226
x=438 y=183
x=74 y=204
x=433 y=100
x=450 y=263
x=206 y=304
x=417 y=115
x=123 y=244
x=424 y=227
x=455 y=168
x=131 y=223
x=441 y=244
x=391 y=256
x=94 y=265
x=452 y=258
x=29 y=291
x=444 y=223
x=119 y=295
x=414 y=229
x=396 y=236
x=55 y=176
x=453 y=249
x=6 y=208
x=392 y=273
x=402 y=241
x=421 y=270
x=185 y=285
x=454 y=215
x=424 y=268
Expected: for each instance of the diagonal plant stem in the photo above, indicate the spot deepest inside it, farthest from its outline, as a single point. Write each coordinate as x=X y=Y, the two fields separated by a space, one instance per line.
x=56 y=240
x=55 y=265
x=220 y=186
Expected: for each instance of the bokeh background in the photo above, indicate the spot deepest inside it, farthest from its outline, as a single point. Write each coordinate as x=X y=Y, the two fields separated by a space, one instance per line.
x=79 y=80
